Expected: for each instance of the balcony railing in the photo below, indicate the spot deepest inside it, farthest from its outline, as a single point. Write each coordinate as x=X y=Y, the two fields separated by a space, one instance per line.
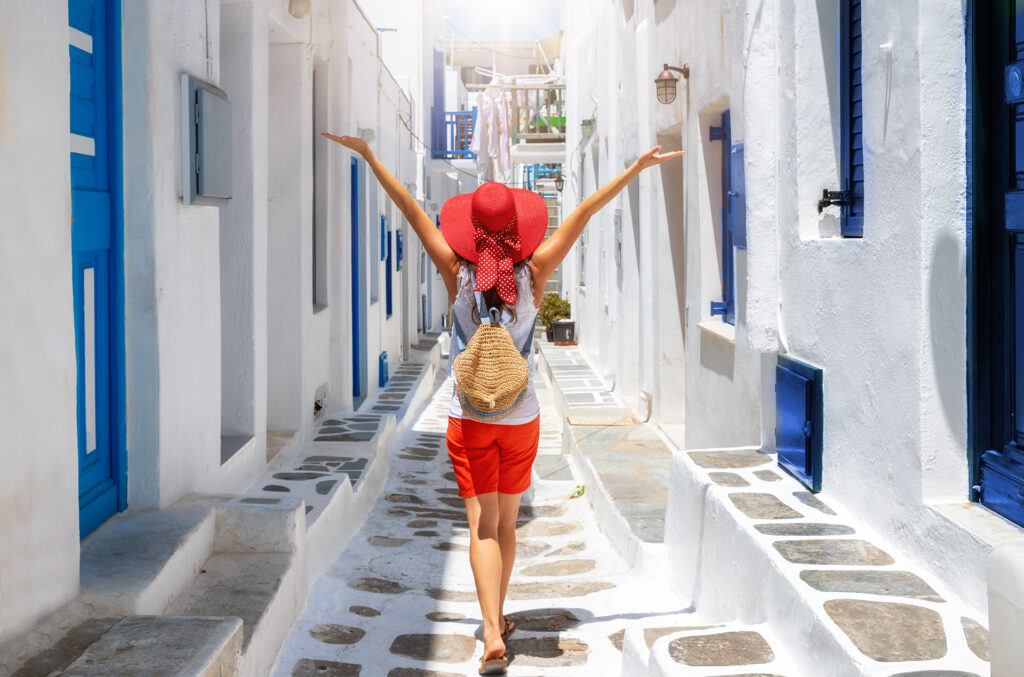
x=537 y=171
x=538 y=113
x=452 y=133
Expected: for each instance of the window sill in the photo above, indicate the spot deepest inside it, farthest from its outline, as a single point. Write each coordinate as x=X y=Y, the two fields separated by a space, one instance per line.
x=319 y=308
x=980 y=522
x=718 y=329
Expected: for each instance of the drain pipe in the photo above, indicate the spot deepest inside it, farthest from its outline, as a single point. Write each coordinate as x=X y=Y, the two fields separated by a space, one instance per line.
x=647 y=400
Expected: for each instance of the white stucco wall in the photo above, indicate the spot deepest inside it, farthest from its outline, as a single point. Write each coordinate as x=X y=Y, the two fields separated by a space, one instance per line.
x=211 y=294
x=39 y=481
x=172 y=260
x=884 y=316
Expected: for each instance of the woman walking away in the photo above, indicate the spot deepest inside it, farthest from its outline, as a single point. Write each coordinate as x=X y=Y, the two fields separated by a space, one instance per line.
x=495 y=263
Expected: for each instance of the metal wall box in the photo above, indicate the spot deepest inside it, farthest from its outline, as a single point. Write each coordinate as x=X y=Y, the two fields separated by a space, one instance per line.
x=206 y=143
x=799 y=413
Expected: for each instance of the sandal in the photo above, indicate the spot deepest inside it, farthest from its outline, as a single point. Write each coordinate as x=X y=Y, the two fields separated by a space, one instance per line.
x=510 y=627
x=494 y=666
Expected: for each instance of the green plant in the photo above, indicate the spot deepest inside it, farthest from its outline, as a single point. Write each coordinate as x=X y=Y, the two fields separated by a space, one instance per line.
x=580 y=489
x=553 y=308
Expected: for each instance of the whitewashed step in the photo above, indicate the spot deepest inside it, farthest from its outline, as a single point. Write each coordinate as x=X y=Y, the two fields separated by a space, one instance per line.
x=265 y=590
x=822 y=583
x=139 y=562
x=167 y=645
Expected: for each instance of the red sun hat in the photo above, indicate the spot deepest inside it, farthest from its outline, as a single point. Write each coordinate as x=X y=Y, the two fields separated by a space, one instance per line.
x=495 y=227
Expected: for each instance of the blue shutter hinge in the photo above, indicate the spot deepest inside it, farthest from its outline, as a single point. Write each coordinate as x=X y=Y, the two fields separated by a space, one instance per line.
x=976 y=492
x=833 y=197
x=717 y=133
x=718 y=308
x=808 y=429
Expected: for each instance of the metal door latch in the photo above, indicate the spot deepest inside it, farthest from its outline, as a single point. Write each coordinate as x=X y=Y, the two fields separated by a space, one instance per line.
x=833 y=197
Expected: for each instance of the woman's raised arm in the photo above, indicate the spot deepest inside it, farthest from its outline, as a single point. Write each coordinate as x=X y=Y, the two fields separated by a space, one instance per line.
x=551 y=252
x=433 y=242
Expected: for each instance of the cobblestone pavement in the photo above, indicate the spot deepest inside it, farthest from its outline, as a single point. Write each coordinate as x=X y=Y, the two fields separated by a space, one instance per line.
x=400 y=600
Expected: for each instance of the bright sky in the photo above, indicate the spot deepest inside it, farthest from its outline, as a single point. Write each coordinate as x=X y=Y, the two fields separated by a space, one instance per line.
x=502 y=19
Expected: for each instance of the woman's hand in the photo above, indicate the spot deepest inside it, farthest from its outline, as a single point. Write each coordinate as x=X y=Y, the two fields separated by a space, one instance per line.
x=652 y=158
x=352 y=142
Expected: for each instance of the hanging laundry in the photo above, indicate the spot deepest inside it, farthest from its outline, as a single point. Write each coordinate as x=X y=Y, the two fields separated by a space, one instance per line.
x=492 y=134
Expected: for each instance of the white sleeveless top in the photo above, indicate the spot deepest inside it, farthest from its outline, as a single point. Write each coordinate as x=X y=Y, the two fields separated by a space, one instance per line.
x=526 y=314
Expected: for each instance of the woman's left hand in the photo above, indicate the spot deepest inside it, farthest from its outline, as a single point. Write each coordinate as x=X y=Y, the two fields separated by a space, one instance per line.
x=652 y=158
x=352 y=142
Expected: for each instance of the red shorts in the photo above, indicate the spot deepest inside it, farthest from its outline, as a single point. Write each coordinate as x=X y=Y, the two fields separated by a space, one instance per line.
x=490 y=457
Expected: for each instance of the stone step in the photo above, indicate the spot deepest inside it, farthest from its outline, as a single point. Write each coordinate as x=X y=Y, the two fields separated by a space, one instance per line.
x=139 y=562
x=265 y=590
x=623 y=464
x=824 y=585
x=702 y=650
x=167 y=645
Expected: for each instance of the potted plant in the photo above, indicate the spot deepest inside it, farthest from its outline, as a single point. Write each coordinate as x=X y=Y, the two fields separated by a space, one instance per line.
x=554 y=310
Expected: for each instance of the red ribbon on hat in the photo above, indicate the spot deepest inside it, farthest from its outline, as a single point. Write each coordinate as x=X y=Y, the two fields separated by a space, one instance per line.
x=496 y=252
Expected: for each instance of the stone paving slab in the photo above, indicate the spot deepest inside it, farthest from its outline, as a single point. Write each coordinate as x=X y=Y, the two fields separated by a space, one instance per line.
x=405 y=582
x=632 y=464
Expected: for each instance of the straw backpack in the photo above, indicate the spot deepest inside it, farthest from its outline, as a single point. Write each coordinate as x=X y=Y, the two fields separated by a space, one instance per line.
x=492 y=373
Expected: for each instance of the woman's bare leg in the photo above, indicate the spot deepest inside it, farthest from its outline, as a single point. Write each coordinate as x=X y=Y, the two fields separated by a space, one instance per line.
x=508 y=513
x=485 y=557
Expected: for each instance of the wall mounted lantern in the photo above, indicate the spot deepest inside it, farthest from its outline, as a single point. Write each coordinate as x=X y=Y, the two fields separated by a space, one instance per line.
x=559 y=182
x=666 y=82
x=587 y=127
x=299 y=8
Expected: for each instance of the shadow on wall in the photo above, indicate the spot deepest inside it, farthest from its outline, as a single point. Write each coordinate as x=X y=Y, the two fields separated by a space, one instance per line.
x=713 y=193
x=946 y=330
x=663 y=10
x=672 y=192
x=828 y=21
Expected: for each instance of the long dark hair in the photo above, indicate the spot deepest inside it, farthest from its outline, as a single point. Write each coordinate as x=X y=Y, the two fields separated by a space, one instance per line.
x=491 y=295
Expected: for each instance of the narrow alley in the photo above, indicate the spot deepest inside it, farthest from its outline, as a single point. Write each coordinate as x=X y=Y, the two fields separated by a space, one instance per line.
x=757 y=261
x=400 y=600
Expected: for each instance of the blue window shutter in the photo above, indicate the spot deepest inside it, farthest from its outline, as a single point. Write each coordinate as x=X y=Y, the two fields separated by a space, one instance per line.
x=852 y=119
x=799 y=414
x=738 y=198
x=727 y=306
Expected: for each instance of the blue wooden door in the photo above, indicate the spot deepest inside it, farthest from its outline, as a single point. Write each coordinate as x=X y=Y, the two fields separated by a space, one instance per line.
x=94 y=77
x=358 y=307
x=997 y=212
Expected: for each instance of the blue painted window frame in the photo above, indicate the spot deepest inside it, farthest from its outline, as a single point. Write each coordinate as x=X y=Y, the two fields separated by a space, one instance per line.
x=799 y=415
x=851 y=119
x=727 y=306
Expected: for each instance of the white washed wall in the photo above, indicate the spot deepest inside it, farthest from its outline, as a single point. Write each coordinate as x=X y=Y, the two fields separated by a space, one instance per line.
x=181 y=262
x=39 y=452
x=884 y=316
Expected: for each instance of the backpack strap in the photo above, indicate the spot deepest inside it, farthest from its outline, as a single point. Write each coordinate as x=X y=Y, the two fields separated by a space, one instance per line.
x=460 y=336
x=528 y=343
